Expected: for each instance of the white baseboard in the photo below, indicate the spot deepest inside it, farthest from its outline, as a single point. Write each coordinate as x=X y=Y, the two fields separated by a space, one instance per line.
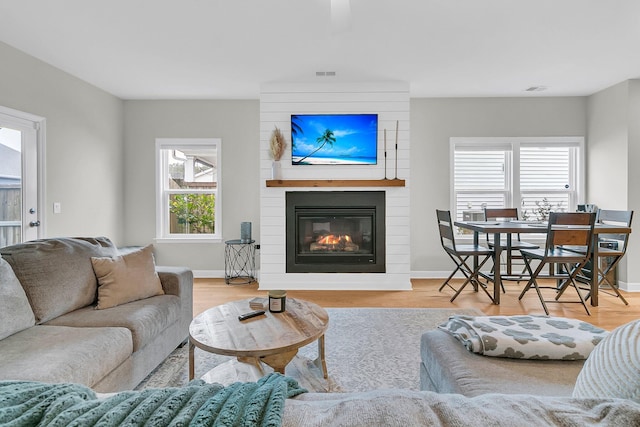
x=433 y=274
x=219 y=274
x=208 y=274
x=629 y=287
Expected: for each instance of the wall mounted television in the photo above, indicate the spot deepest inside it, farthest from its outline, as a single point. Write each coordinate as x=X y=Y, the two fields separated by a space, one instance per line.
x=334 y=139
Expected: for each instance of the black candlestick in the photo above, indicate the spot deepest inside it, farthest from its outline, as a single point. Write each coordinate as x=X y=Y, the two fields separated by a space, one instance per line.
x=397 y=122
x=385 y=154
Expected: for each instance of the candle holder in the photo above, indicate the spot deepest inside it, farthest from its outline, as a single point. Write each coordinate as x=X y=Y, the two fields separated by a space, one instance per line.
x=385 y=154
x=396 y=176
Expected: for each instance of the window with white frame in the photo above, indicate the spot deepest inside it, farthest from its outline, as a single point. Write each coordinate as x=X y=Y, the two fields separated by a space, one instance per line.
x=188 y=189
x=536 y=175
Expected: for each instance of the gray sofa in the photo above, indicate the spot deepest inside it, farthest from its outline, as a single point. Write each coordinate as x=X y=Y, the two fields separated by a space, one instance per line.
x=461 y=388
x=51 y=331
x=448 y=367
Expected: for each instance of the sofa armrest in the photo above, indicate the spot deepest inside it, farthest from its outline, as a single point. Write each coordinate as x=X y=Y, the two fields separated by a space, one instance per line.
x=178 y=281
x=175 y=280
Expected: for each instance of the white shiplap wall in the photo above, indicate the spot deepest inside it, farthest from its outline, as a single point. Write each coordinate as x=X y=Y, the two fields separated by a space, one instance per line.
x=390 y=100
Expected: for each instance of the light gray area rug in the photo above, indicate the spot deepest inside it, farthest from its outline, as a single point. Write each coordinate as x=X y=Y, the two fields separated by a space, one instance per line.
x=366 y=349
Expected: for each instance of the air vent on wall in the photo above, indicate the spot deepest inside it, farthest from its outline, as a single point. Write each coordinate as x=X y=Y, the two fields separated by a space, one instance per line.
x=325 y=73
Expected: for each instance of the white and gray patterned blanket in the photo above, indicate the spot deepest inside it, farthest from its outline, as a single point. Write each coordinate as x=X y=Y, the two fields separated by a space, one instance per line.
x=525 y=337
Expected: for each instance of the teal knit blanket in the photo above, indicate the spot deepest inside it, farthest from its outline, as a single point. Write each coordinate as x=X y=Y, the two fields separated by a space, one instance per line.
x=24 y=403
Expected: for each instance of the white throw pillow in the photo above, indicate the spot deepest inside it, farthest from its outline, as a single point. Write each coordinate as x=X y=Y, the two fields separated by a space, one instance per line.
x=612 y=370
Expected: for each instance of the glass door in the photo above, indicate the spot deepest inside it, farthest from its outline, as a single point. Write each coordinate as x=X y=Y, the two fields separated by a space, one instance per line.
x=19 y=208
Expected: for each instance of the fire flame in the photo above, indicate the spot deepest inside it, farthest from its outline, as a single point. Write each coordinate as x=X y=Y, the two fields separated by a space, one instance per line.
x=332 y=239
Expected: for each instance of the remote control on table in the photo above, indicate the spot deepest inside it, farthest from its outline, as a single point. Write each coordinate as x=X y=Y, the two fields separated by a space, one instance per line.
x=251 y=314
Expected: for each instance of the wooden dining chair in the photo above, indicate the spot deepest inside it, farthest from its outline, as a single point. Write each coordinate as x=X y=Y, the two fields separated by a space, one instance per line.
x=612 y=255
x=511 y=244
x=460 y=255
x=573 y=229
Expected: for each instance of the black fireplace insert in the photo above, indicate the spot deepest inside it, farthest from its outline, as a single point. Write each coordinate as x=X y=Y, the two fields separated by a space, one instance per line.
x=335 y=231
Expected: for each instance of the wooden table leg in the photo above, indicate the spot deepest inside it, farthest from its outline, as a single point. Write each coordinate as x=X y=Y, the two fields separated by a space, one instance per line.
x=595 y=272
x=279 y=361
x=476 y=241
x=192 y=368
x=497 y=274
x=320 y=361
x=254 y=361
x=509 y=255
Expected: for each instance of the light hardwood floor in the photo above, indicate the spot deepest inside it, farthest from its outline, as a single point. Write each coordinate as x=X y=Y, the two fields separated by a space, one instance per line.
x=610 y=314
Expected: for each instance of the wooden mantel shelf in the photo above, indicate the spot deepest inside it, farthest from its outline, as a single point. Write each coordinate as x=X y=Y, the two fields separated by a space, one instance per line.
x=335 y=182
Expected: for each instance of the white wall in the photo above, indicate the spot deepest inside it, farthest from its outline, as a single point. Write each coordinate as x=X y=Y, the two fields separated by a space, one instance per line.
x=84 y=149
x=391 y=102
x=237 y=124
x=434 y=121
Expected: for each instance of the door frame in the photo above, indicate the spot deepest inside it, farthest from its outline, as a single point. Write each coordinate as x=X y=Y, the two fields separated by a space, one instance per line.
x=22 y=119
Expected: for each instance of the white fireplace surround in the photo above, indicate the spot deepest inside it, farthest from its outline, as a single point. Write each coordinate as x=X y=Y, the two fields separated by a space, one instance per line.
x=390 y=100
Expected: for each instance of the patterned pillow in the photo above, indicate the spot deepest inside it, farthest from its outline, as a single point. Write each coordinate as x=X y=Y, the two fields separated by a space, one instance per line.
x=613 y=368
x=525 y=336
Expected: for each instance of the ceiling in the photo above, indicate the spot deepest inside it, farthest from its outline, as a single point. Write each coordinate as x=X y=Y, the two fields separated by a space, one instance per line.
x=226 y=49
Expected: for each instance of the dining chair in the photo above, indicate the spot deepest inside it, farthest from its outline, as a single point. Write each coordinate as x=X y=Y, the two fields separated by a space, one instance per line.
x=612 y=248
x=511 y=244
x=460 y=255
x=574 y=229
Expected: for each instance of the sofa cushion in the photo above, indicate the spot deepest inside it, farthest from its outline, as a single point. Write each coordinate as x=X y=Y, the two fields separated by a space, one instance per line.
x=613 y=368
x=15 y=311
x=525 y=336
x=448 y=367
x=144 y=318
x=56 y=274
x=64 y=354
x=126 y=278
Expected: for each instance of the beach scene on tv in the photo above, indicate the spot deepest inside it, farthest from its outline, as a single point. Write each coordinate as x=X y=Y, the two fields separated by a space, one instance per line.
x=334 y=139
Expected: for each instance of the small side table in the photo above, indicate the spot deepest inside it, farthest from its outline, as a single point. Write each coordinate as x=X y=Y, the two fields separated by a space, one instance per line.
x=239 y=262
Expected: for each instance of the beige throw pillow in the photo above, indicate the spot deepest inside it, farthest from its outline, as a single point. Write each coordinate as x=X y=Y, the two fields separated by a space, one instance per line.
x=126 y=278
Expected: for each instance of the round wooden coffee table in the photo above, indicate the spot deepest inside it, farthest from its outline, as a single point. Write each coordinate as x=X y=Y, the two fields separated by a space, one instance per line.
x=273 y=338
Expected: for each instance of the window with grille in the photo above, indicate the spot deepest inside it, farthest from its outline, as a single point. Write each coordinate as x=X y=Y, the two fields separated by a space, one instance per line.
x=536 y=175
x=188 y=182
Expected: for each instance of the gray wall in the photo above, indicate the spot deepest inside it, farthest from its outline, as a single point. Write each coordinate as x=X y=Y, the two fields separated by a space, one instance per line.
x=633 y=255
x=84 y=148
x=434 y=121
x=608 y=148
x=237 y=123
x=100 y=159
x=614 y=152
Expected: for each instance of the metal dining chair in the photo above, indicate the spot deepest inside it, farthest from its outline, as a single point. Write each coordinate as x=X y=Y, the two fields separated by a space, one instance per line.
x=611 y=249
x=460 y=255
x=512 y=244
x=574 y=229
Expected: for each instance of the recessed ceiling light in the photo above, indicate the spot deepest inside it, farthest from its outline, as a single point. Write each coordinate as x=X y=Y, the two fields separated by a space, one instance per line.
x=536 y=89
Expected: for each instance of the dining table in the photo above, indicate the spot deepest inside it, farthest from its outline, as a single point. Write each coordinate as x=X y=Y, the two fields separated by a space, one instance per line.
x=498 y=229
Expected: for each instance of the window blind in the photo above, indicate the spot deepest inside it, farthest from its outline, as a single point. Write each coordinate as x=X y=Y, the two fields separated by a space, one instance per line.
x=535 y=177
